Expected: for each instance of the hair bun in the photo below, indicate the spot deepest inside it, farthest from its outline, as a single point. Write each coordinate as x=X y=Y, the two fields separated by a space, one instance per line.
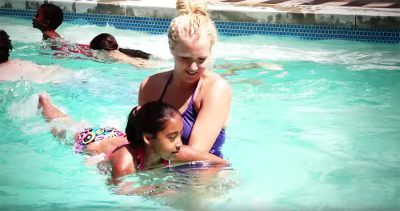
x=188 y=6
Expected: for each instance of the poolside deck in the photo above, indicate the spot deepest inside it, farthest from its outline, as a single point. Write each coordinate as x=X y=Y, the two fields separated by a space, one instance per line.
x=349 y=13
x=325 y=3
x=361 y=13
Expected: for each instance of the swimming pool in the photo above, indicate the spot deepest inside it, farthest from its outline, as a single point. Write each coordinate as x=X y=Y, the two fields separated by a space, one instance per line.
x=318 y=129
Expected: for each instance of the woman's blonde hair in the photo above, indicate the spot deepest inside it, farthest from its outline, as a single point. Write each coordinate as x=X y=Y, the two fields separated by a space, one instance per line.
x=192 y=20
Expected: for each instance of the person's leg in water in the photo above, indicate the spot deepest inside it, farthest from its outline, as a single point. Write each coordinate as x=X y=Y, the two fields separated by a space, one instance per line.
x=112 y=138
x=51 y=113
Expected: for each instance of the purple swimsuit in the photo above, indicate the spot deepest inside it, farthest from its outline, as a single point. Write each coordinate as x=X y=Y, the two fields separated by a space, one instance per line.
x=189 y=118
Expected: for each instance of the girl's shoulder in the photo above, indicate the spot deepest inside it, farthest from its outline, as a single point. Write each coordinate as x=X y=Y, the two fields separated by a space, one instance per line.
x=123 y=161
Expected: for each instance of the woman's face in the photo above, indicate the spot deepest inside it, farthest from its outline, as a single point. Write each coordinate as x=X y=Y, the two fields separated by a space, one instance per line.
x=191 y=57
x=168 y=141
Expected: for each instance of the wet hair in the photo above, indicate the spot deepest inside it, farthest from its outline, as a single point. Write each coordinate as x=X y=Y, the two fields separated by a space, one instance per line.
x=5 y=46
x=108 y=42
x=53 y=14
x=104 y=41
x=135 y=53
x=192 y=20
x=149 y=119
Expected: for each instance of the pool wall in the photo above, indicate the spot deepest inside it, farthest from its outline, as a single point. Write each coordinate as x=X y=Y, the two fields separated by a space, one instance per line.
x=368 y=26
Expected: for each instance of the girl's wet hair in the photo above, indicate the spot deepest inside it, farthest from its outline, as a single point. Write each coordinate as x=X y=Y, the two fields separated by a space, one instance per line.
x=104 y=41
x=5 y=46
x=53 y=14
x=108 y=42
x=149 y=119
x=135 y=53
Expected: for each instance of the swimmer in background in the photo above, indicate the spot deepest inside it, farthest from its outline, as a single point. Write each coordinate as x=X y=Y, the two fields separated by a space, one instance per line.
x=231 y=69
x=151 y=138
x=109 y=44
x=16 y=69
x=47 y=19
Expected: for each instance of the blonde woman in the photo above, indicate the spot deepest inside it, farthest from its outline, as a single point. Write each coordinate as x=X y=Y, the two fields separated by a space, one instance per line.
x=202 y=96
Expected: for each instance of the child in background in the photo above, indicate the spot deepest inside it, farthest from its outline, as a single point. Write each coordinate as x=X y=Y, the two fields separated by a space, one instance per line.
x=47 y=19
x=108 y=43
x=5 y=46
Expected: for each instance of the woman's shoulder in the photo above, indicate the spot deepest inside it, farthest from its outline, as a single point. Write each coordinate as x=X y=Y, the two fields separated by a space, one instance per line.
x=152 y=86
x=214 y=81
x=156 y=79
x=161 y=75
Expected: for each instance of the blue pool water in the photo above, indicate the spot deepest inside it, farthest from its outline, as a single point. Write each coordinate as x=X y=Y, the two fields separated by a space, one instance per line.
x=317 y=128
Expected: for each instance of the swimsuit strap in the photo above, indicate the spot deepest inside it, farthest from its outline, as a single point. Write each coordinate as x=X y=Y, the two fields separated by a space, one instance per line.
x=191 y=100
x=194 y=90
x=165 y=87
x=117 y=148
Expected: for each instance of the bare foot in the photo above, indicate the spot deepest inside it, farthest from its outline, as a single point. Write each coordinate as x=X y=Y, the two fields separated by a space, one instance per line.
x=49 y=111
x=43 y=100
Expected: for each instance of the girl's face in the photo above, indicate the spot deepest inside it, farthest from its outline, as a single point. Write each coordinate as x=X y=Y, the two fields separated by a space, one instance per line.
x=38 y=21
x=168 y=141
x=191 y=57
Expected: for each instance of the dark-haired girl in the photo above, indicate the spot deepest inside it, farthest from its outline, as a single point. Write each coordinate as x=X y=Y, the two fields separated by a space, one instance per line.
x=152 y=138
x=109 y=44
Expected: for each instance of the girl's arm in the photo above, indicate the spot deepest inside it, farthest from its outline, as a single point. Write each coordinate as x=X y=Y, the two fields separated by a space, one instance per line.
x=121 y=163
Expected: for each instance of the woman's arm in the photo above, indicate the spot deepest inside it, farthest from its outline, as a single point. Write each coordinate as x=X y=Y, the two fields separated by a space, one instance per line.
x=212 y=114
x=187 y=153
